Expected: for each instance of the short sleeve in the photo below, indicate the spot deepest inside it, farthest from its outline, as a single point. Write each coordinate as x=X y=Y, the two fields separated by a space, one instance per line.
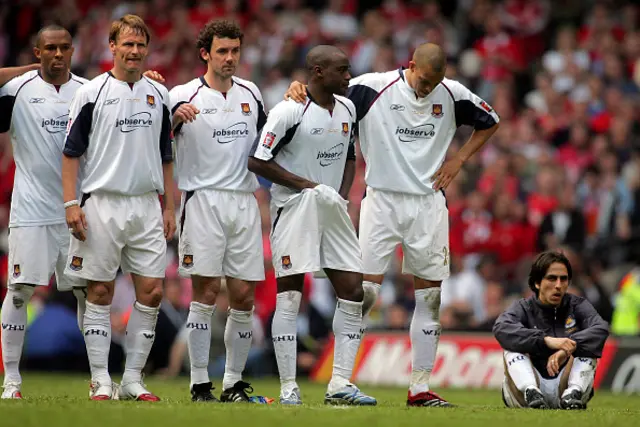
x=280 y=126
x=470 y=109
x=79 y=125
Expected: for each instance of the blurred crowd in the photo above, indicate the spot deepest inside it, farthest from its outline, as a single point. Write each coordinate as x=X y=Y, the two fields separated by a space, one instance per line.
x=563 y=170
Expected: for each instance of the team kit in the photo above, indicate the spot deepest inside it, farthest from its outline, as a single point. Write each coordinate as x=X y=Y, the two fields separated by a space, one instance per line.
x=93 y=195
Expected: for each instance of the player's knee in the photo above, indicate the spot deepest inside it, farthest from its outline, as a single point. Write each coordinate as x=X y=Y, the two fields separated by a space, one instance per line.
x=20 y=294
x=242 y=299
x=370 y=291
x=154 y=296
x=352 y=289
x=99 y=293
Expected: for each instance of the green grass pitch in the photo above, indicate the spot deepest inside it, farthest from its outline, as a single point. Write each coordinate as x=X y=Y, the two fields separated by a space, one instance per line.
x=62 y=401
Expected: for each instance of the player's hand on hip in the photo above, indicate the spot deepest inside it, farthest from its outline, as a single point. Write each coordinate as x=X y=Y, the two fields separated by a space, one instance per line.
x=77 y=222
x=297 y=91
x=556 y=360
x=169 y=221
x=447 y=172
x=154 y=75
x=186 y=113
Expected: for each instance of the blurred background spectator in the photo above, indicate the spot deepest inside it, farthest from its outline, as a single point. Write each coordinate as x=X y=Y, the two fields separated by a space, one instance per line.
x=563 y=171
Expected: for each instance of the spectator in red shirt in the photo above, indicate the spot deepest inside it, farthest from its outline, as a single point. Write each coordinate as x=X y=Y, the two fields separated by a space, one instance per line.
x=575 y=155
x=543 y=199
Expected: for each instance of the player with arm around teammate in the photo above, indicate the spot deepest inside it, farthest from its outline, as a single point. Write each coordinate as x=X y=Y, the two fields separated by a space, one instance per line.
x=216 y=118
x=120 y=128
x=307 y=152
x=551 y=341
x=406 y=121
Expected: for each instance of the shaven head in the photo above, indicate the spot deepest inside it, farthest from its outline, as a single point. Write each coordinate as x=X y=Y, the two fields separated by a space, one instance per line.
x=427 y=68
x=48 y=28
x=329 y=68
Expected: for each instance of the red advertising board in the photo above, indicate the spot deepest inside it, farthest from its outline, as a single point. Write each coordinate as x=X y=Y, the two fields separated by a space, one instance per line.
x=467 y=361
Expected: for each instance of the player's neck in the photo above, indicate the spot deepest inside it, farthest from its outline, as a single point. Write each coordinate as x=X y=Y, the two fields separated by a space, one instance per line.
x=218 y=83
x=55 y=80
x=125 y=76
x=322 y=98
x=411 y=78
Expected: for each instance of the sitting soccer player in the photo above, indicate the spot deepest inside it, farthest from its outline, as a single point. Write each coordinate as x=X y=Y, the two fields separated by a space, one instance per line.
x=551 y=341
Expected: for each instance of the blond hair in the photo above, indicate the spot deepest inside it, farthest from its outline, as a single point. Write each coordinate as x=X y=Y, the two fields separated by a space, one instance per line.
x=133 y=22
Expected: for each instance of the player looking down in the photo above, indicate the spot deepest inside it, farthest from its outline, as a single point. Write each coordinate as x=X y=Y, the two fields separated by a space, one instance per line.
x=406 y=121
x=551 y=341
x=307 y=151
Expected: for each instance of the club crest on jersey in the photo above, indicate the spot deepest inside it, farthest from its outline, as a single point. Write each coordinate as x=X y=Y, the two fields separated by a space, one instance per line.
x=16 y=270
x=286 y=262
x=76 y=263
x=269 y=139
x=345 y=128
x=436 y=110
x=246 y=108
x=486 y=107
x=570 y=323
x=151 y=101
x=187 y=261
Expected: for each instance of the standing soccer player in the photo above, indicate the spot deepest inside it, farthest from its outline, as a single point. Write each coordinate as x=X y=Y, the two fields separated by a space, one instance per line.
x=407 y=119
x=307 y=152
x=120 y=125
x=34 y=109
x=216 y=118
x=551 y=341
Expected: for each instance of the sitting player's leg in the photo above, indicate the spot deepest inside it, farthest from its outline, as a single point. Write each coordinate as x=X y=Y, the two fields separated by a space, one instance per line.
x=14 y=324
x=578 y=378
x=284 y=336
x=203 y=306
x=521 y=386
x=32 y=255
x=426 y=257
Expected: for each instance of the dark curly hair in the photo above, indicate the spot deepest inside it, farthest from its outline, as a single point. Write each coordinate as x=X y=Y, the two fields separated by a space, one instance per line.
x=220 y=28
x=541 y=265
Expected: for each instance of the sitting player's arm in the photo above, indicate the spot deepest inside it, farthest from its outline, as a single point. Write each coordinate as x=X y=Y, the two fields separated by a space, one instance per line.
x=278 y=131
x=593 y=331
x=349 y=167
x=9 y=73
x=513 y=335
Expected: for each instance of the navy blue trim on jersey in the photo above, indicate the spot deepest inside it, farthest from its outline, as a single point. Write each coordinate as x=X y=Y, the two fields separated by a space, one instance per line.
x=362 y=97
x=351 y=152
x=154 y=86
x=7 y=103
x=262 y=116
x=467 y=113
x=73 y=77
x=78 y=138
x=183 y=216
x=275 y=222
x=345 y=106
x=166 y=151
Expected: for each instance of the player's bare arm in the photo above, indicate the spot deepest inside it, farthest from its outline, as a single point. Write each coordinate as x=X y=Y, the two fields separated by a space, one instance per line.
x=556 y=360
x=76 y=220
x=8 y=73
x=169 y=212
x=451 y=167
x=185 y=113
x=565 y=344
x=275 y=173
x=347 y=179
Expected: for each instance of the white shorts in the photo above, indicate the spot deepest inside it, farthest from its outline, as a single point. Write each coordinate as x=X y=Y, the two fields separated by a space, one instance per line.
x=35 y=253
x=419 y=222
x=221 y=235
x=308 y=236
x=122 y=231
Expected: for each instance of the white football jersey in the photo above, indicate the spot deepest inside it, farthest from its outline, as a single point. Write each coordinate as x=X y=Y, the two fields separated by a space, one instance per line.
x=35 y=113
x=123 y=132
x=308 y=141
x=404 y=139
x=212 y=151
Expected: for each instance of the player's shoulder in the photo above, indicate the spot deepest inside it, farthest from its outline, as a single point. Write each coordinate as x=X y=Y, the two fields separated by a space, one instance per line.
x=347 y=103
x=377 y=81
x=186 y=89
x=13 y=85
x=289 y=109
x=248 y=86
x=159 y=87
x=78 y=80
x=94 y=85
x=454 y=87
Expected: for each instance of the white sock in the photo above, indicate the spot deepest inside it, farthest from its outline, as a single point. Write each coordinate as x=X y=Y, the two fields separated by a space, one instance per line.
x=425 y=334
x=237 y=340
x=520 y=370
x=14 y=324
x=581 y=376
x=284 y=335
x=81 y=297
x=97 y=338
x=199 y=340
x=139 y=340
x=347 y=322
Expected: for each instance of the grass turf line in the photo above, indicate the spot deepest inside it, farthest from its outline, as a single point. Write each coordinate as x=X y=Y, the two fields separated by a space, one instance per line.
x=62 y=401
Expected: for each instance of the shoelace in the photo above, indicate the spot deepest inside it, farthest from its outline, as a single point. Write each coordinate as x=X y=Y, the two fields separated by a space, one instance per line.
x=243 y=387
